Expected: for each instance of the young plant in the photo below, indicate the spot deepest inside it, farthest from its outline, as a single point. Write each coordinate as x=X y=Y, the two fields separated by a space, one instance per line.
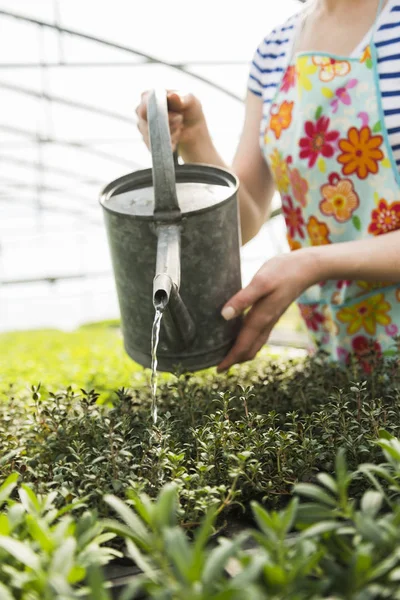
x=45 y=554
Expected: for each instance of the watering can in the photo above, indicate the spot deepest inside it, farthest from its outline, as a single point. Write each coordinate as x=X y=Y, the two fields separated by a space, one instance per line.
x=173 y=233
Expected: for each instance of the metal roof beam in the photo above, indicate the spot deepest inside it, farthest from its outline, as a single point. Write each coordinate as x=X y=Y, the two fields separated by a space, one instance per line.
x=55 y=278
x=17 y=184
x=49 y=168
x=77 y=145
x=122 y=63
x=70 y=103
x=91 y=38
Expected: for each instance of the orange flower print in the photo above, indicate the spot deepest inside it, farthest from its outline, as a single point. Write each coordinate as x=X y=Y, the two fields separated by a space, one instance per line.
x=318 y=232
x=340 y=198
x=293 y=244
x=280 y=171
x=299 y=186
x=366 y=314
x=398 y=294
x=366 y=55
x=360 y=152
x=331 y=68
x=282 y=119
x=385 y=218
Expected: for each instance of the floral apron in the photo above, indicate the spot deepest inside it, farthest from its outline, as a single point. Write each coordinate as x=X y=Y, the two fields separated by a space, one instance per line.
x=328 y=150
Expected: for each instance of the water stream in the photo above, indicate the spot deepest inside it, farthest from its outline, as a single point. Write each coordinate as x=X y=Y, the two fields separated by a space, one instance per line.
x=155 y=336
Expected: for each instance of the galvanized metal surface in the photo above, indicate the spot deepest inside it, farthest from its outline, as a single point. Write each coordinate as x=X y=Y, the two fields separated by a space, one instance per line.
x=208 y=272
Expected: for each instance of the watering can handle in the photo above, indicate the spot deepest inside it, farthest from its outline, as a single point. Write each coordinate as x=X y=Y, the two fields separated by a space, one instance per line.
x=166 y=206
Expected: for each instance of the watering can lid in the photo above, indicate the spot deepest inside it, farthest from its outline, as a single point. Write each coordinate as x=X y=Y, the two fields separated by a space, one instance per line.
x=192 y=197
x=199 y=188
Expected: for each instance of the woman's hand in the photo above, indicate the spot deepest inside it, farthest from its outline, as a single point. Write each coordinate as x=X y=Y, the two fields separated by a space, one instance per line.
x=278 y=283
x=185 y=116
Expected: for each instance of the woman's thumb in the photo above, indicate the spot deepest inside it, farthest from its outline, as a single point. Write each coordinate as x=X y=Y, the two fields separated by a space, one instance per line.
x=177 y=102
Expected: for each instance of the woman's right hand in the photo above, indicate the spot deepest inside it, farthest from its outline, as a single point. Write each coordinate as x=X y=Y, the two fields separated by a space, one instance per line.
x=185 y=116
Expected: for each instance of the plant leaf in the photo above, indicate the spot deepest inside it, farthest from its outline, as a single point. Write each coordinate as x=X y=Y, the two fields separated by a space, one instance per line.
x=5 y=594
x=141 y=560
x=178 y=550
x=29 y=500
x=166 y=506
x=288 y=516
x=371 y=502
x=328 y=482
x=63 y=558
x=312 y=491
x=20 y=551
x=138 y=531
x=319 y=529
x=7 y=487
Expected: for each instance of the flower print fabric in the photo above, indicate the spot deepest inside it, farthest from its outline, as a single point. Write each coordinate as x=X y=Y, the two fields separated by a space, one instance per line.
x=342 y=95
x=318 y=232
x=366 y=315
x=289 y=79
x=340 y=199
x=299 y=186
x=318 y=140
x=281 y=119
x=293 y=217
x=281 y=171
x=327 y=151
x=385 y=218
x=331 y=68
x=361 y=152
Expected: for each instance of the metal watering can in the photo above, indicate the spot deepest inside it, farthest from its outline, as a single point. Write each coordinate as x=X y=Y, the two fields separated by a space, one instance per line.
x=173 y=233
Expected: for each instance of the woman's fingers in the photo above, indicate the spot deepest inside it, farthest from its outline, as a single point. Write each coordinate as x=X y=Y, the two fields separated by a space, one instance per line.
x=244 y=299
x=255 y=331
x=260 y=341
x=245 y=349
x=176 y=104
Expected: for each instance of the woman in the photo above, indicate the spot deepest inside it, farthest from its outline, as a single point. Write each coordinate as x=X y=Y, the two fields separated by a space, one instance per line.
x=325 y=90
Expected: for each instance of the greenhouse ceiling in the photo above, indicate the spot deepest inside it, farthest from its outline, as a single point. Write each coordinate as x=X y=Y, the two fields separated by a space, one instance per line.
x=71 y=75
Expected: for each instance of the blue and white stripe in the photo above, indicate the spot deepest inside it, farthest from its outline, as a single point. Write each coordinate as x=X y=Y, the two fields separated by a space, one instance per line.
x=273 y=54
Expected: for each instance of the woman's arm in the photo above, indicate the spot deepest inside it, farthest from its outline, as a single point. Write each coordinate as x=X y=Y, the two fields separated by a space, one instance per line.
x=281 y=280
x=256 y=184
x=372 y=259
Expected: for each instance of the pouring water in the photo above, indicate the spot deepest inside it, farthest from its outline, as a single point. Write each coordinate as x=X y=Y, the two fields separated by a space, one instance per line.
x=155 y=337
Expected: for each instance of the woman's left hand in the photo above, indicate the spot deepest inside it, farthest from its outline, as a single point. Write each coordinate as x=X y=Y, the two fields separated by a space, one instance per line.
x=278 y=283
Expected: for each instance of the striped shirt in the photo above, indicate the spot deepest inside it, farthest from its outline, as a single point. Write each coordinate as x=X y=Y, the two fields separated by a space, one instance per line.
x=274 y=53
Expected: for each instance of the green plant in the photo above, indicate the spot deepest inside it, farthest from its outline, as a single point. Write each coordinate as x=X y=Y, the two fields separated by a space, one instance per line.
x=46 y=554
x=325 y=544
x=89 y=357
x=221 y=439
x=329 y=546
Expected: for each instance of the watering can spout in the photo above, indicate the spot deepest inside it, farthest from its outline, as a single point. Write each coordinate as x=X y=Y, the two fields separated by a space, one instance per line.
x=178 y=324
